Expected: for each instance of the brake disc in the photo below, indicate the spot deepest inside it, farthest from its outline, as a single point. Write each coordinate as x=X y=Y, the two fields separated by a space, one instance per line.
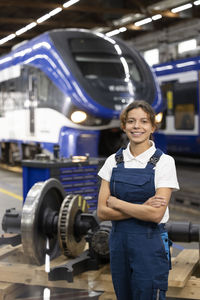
x=42 y=197
x=71 y=243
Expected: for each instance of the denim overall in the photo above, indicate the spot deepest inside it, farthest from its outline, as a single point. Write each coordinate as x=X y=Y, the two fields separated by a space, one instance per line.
x=139 y=252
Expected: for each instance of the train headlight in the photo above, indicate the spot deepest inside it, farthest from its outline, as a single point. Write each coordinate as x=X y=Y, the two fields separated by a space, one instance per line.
x=159 y=117
x=78 y=116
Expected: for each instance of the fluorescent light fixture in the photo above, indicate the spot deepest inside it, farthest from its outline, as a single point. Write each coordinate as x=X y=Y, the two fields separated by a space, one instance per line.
x=116 y=31
x=70 y=3
x=152 y=56
x=143 y=22
x=181 y=8
x=43 y=18
x=7 y=38
x=127 y=19
x=187 y=45
x=122 y=29
x=55 y=11
x=156 y=17
x=21 y=31
x=196 y=2
x=26 y=28
x=31 y=25
x=49 y=15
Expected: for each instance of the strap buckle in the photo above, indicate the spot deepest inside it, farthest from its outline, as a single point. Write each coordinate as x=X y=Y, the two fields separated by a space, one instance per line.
x=119 y=159
x=153 y=160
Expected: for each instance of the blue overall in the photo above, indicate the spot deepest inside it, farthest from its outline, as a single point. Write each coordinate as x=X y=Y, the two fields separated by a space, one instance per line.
x=138 y=249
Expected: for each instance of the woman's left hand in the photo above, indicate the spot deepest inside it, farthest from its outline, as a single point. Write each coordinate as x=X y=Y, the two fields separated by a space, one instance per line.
x=111 y=201
x=156 y=201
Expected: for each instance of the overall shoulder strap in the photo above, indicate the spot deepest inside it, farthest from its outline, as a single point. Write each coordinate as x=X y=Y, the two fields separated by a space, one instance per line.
x=154 y=158
x=119 y=156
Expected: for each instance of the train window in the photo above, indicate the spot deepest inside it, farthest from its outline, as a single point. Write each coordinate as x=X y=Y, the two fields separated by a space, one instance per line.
x=184 y=116
x=43 y=83
x=107 y=66
x=181 y=101
x=185 y=104
x=2 y=99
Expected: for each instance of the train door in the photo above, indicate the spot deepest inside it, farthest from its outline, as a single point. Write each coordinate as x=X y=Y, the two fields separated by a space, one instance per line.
x=181 y=122
x=32 y=93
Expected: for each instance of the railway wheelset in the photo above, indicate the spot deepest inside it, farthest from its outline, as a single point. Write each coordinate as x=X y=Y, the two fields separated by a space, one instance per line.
x=54 y=223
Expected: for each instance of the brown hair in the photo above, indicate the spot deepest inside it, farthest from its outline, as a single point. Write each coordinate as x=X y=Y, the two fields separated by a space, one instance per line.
x=136 y=104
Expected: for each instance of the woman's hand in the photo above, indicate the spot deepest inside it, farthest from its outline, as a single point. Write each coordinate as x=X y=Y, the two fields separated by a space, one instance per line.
x=156 y=201
x=111 y=201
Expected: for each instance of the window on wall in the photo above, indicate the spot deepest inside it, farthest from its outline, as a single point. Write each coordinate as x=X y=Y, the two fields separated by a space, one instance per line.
x=187 y=46
x=152 y=56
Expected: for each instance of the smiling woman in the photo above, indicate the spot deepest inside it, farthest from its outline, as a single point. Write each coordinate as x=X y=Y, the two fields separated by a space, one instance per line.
x=138 y=122
x=136 y=187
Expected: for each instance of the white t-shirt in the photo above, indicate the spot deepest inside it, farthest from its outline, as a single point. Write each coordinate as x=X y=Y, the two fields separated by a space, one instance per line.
x=165 y=170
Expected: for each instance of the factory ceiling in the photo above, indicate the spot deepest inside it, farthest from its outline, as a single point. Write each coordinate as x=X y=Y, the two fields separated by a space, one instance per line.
x=100 y=15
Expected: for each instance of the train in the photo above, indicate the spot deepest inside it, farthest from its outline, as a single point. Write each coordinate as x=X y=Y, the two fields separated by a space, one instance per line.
x=66 y=88
x=180 y=82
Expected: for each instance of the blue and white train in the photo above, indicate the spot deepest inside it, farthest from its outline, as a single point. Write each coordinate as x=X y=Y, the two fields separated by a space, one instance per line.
x=180 y=85
x=67 y=87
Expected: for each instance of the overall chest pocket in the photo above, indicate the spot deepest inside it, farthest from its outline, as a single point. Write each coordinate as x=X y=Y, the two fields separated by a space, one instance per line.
x=131 y=187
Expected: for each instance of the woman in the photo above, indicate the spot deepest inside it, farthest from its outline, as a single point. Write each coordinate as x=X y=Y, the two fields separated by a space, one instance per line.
x=136 y=187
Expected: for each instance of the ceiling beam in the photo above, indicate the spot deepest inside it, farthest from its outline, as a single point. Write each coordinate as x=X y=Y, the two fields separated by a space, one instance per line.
x=27 y=34
x=81 y=8
x=61 y=23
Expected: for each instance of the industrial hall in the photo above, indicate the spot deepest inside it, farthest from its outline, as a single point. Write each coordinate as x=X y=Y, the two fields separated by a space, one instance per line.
x=99 y=150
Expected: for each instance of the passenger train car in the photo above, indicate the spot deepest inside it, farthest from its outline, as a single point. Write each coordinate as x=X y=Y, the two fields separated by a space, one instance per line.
x=67 y=87
x=180 y=82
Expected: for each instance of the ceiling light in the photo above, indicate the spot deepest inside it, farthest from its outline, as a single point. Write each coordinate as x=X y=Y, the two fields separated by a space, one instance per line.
x=197 y=2
x=55 y=11
x=26 y=28
x=181 y=8
x=31 y=25
x=116 y=31
x=43 y=18
x=143 y=22
x=70 y=3
x=7 y=38
x=49 y=15
x=156 y=17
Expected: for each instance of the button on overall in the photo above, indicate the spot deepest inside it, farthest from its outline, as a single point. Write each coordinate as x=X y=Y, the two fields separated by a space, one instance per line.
x=138 y=258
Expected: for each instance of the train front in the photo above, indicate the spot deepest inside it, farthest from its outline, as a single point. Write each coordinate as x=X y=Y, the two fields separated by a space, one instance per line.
x=108 y=76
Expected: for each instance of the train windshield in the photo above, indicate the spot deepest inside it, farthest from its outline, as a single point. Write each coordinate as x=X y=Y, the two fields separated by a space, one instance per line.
x=107 y=66
x=113 y=74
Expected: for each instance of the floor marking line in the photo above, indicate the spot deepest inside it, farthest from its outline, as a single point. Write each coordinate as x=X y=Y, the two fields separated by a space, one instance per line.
x=11 y=194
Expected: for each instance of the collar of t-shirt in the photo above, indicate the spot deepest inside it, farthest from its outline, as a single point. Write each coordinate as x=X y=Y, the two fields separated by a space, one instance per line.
x=143 y=158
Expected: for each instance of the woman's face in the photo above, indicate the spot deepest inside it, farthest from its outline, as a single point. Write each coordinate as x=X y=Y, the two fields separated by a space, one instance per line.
x=138 y=127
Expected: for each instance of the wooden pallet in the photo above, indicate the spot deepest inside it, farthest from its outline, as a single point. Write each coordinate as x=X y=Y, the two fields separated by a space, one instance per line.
x=16 y=274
